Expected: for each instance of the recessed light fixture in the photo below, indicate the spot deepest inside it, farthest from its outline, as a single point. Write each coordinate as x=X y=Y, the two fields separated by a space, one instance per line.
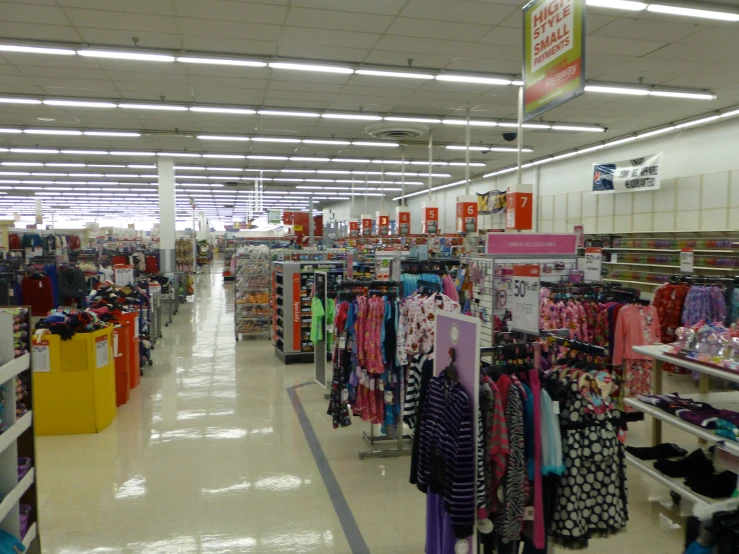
x=235 y=111
x=115 y=55
x=692 y=12
x=311 y=67
x=221 y=61
x=288 y=113
x=118 y=134
x=166 y=107
x=357 y=117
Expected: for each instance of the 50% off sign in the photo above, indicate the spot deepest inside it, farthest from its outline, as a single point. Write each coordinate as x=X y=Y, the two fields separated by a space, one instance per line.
x=525 y=308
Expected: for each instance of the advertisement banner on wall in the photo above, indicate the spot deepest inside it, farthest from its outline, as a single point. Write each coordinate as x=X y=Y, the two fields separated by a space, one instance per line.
x=634 y=175
x=490 y=203
x=553 y=54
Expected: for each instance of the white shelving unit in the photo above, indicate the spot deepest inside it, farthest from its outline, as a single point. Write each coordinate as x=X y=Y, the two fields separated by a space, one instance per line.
x=727 y=451
x=17 y=440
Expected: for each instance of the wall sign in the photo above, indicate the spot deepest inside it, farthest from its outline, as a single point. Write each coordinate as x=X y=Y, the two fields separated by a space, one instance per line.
x=40 y=358
x=593 y=263
x=554 y=54
x=525 y=307
x=634 y=175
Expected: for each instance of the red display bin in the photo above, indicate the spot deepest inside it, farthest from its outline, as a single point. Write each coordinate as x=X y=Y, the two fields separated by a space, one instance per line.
x=134 y=366
x=122 y=354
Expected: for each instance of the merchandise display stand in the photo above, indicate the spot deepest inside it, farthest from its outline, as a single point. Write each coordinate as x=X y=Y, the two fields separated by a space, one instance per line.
x=293 y=285
x=320 y=291
x=19 y=504
x=727 y=452
x=252 y=292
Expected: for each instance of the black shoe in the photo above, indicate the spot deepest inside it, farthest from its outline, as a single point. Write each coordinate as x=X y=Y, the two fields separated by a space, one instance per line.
x=722 y=485
x=695 y=465
x=659 y=452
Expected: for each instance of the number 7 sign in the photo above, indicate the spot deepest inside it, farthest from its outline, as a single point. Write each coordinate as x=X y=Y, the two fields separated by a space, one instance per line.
x=520 y=208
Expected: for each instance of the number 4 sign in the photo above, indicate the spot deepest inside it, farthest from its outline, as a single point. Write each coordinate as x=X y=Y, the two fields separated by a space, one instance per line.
x=525 y=308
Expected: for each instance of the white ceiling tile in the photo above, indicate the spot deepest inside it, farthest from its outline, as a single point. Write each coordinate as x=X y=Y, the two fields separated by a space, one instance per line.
x=624 y=76
x=508 y=36
x=401 y=58
x=514 y=20
x=410 y=45
x=64 y=72
x=694 y=53
x=308 y=87
x=231 y=11
x=699 y=82
x=7 y=69
x=390 y=83
x=271 y=94
x=720 y=70
x=228 y=96
x=32 y=31
x=632 y=28
x=491 y=66
x=629 y=47
x=459 y=11
x=228 y=72
x=372 y=106
x=153 y=77
x=328 y=37
x=337 y=20
x=648 y=64
x=714 y=36
x=234 y=45
x=409 y=27
x=496 y=52
x=329 y=53
x=378 y=91
x=242 y=84
x=386 y=7
x=228 y=29
x=154 y=7
x=597 y=21
x=607 y=61
x=23 y=12
x=309 y=77
x=124 y=38
x=121 y=20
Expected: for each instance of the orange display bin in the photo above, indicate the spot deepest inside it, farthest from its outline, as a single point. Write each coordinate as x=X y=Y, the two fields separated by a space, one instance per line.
x=131 y=320
x=122 y=353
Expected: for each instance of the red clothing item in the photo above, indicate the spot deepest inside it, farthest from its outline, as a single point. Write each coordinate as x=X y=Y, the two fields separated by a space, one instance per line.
x=636 y=326
x=39 y=294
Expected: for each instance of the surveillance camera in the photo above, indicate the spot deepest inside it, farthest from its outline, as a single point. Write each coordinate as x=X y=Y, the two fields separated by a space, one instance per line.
x=510 y=137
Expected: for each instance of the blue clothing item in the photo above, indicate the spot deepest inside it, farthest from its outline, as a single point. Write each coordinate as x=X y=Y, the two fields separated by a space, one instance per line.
x=9 y=544
x=551 y=438
x=529 y=430
x=50 y=272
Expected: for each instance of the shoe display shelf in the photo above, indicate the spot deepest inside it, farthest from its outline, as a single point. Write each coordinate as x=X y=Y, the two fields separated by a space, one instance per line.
x=726 y=451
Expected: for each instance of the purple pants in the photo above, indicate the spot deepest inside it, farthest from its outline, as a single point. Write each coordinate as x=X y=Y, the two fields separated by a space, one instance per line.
x=440 y=537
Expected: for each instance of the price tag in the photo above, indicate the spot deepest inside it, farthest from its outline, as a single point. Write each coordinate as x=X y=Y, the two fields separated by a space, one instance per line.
x=525 y=307
x=101 y=352
x=687 y=259
x=40 y=359
x=593 y=263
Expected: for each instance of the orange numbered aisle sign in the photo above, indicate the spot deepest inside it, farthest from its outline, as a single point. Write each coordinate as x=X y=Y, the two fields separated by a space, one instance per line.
x=466 y=214
x=430 y=219
x=403 y=221
x=520 y=208
x=383 y=224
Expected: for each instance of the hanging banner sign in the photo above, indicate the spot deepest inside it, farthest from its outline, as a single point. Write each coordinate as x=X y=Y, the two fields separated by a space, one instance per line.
x=493 y=202
x=634 y=175
x=687 y=260
x=353 y=229
x=554 y=54
x=593 y=263
x=525 y=308
x=403 y=222
x=530 y=244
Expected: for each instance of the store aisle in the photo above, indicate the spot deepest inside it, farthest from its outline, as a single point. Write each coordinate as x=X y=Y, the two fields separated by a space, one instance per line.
x=209 y=456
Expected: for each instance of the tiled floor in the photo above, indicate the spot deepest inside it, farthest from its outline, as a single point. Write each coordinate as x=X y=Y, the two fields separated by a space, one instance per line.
x=209 y=457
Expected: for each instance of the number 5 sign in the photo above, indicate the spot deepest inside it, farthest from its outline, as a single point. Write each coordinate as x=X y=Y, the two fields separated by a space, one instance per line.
x=520 y=208
x=467 y=214
x=430 y=220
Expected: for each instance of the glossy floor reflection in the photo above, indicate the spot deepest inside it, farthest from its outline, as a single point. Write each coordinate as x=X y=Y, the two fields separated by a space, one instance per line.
x=209 y=457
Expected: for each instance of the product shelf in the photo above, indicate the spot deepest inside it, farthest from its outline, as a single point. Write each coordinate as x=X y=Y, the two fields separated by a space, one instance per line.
x=14 y=496
x=632 y=282
x=731 y=269
x=16 y=430
x=14 y=367
x=659 y=352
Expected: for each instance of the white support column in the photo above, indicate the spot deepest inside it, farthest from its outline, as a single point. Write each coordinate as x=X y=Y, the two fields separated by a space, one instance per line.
x=312 y=223
x=167 y=214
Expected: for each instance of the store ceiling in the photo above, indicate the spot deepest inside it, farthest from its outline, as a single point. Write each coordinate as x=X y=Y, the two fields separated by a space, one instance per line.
x=460 y=37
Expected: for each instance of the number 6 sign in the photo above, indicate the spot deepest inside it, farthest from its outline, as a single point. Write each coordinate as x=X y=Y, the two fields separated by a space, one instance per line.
x=467 y=214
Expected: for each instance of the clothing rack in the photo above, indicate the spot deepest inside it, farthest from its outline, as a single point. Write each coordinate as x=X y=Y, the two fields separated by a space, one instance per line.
x=585 y=347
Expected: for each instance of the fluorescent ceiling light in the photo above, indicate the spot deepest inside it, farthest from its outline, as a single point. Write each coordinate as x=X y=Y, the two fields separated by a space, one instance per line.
x=205 y=109
x=11 y=131
x=617 y=4
x=34 y=151
x=364 y=143
x=578 y=128
x=413 y=119
x=472 y=122
x=336 y=142
x=590 y=149
x=306 y=159
x=617 y=90
x=400 y=74
x=274 y=139
x=64 y=165
x=226 y=156
x=358 y=117
x=621 y=141
x=288 y=114
x=79 y=104
x=90 y=152
x=221 y=61
x=167 y=107
x=221 y=137
x=691 y=123
x=692 y=12
x=514 y=125
x=488 y=148
x=311 y=67
x=692 y=95
x=111 y=54
x=125 y=153
x=106 y=165
x=179 y=154
x=471 y=79
x=36 y=50
x=730 y=114
x=657 y=132
x=255 y=157
x=51 y=132
x=19 y=101
x=137 y=166
x=118 y=134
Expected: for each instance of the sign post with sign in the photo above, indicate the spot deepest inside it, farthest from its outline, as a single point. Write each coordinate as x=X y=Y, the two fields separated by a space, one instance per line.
x=467 y=214
x=593 y=263
x=520 y=208
x=353 y=229
x=275 y=217
x=687 y=260
x=553 y=54
x=525 y=308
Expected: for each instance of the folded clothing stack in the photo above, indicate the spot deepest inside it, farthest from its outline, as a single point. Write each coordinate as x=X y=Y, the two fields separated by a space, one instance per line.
x=724 y=423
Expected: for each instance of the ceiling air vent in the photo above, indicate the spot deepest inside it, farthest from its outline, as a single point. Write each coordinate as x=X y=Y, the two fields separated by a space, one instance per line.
x=394 y=130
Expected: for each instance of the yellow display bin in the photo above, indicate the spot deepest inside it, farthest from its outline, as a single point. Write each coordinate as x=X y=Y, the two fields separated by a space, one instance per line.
x=74 y=390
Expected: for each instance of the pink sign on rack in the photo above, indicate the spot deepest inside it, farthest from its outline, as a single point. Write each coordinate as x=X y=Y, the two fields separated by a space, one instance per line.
x=530 y=243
